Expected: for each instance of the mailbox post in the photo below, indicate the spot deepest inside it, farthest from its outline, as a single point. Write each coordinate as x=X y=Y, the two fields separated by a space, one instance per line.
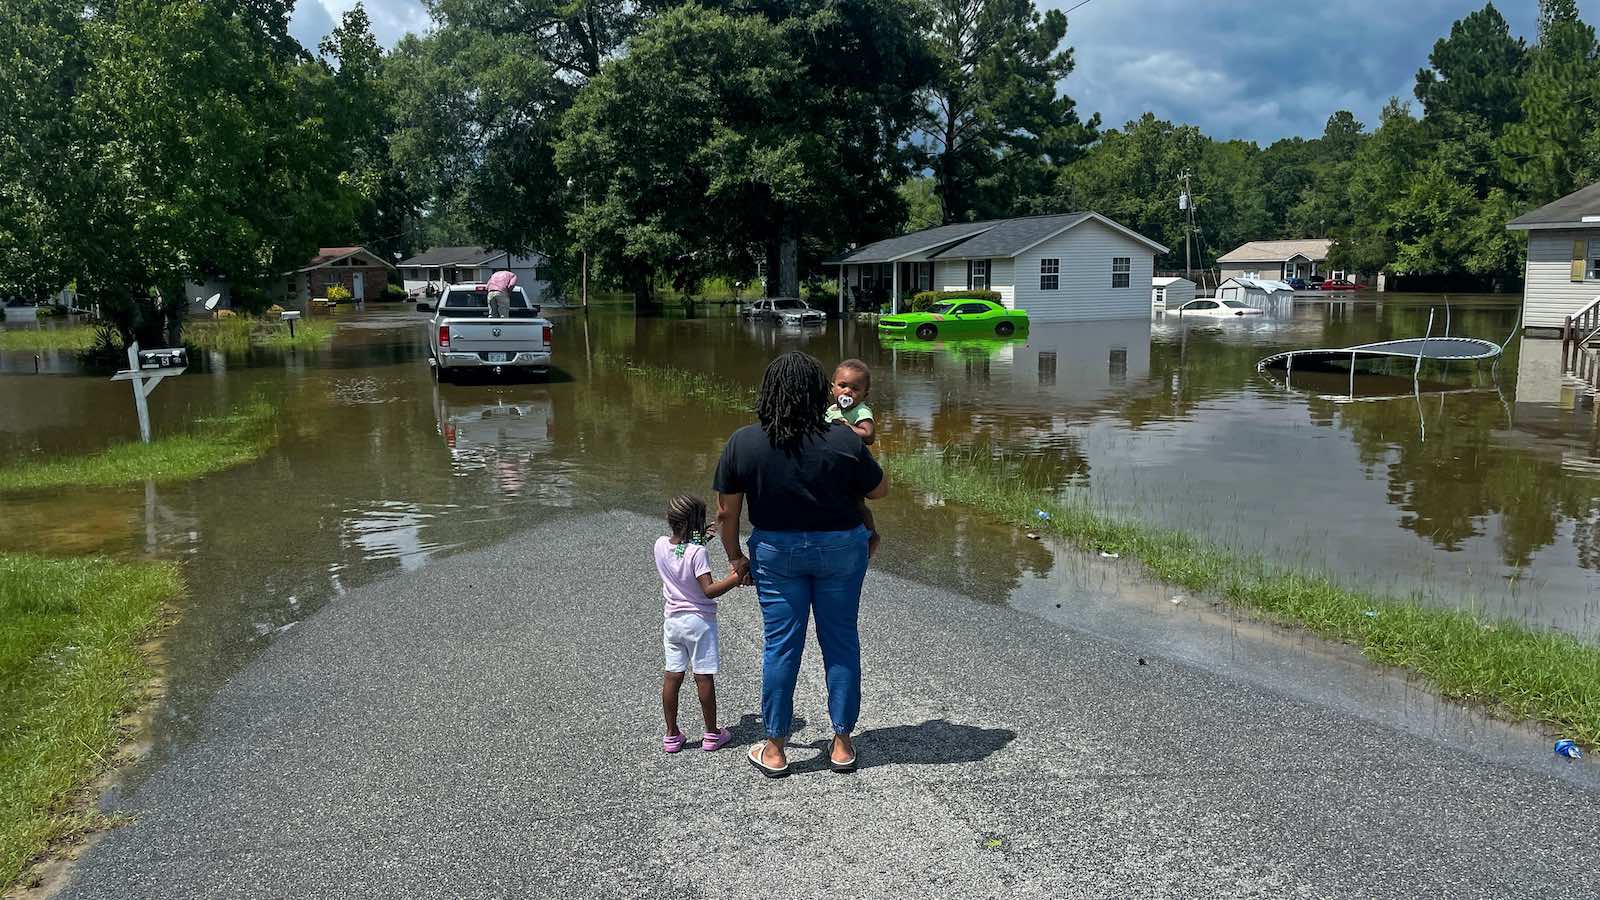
x=290 y=315
x=147 y=368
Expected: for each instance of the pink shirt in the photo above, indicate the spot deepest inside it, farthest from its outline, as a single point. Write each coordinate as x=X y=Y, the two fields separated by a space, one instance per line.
x=502 y=281
x=680 y=578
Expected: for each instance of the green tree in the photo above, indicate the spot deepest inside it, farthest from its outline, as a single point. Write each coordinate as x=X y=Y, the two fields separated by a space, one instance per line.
x=1380 y=171
x=1474 y=72
x=993 y=109
x=1555 y=147
x=921 y=197
x=573 y=38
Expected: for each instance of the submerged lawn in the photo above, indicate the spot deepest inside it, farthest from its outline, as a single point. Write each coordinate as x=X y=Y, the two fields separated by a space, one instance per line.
x=1520 y=672
x=1517 y=671
x=236 y=334
x=65 y=337
x=70 y=668
x=212 y=445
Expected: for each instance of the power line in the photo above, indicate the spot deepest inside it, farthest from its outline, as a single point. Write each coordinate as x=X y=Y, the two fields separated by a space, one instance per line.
x=1075 y=6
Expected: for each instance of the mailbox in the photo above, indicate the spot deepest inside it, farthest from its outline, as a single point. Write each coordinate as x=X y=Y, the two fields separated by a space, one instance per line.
x=289 y=315
x=164 y=358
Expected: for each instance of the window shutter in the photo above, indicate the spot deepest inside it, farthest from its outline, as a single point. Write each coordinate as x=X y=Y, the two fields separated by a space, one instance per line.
x=969 y=274
x=1578 y=249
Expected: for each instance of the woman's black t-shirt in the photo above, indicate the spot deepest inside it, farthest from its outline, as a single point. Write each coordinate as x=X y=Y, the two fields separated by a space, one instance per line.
x=816 y=486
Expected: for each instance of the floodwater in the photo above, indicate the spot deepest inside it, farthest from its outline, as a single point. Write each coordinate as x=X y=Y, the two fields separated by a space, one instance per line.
x=1480 y=489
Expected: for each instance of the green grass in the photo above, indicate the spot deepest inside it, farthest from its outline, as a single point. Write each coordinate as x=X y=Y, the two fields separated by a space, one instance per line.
x=69 y=337
x=213 y=444
x=70 y=668
x=697 y=386
x=236 y=334
x=1514 y=670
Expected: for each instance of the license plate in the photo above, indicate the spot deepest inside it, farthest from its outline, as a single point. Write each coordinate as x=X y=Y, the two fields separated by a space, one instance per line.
x=499 y=357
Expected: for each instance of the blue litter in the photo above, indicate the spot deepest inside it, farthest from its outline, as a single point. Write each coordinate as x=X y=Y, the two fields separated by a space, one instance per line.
x=1569 y=749
x=1043 y=516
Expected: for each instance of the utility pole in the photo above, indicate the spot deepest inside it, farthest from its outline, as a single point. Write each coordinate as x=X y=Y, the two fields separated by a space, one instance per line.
x=1186 y=204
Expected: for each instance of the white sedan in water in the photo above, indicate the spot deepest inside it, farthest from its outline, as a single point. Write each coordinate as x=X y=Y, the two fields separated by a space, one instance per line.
x=1216 y=309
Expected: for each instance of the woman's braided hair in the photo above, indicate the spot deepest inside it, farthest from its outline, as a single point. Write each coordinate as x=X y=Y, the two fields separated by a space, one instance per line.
x=794 y=399
x=686 y=516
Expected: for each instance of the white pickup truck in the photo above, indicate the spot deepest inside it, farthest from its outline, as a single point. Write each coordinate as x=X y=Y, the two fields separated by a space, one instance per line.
x=464 y=336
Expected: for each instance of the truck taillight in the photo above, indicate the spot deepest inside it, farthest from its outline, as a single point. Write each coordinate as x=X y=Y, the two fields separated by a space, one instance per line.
x=444 y=335
x=547 y=335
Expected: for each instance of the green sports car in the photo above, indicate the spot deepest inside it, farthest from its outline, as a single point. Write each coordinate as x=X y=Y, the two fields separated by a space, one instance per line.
x=956 y=319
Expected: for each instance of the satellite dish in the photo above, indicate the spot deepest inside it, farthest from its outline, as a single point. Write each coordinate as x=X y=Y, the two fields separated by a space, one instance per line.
x=212 y=301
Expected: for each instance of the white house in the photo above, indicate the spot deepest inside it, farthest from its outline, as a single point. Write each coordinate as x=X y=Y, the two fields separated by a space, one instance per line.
x=1261 y=293
x=1060 y=268
x=1171 y=293
x=1563 y=274
x=449 y=265
x=1278 y=260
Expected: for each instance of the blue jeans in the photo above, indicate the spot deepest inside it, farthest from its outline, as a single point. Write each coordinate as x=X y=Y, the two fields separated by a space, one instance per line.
x=799 y=574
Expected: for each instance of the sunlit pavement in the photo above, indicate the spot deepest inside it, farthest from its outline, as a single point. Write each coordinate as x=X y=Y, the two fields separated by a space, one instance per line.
x=488 y=726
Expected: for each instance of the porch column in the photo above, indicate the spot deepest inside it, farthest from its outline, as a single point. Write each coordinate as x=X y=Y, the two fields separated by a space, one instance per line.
x=841 y=290
x=894 y=287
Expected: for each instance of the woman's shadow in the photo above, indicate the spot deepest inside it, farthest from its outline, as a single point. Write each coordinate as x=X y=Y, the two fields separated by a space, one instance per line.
x=934 y=742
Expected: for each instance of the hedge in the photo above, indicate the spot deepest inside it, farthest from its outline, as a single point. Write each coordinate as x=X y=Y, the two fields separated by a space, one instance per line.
x=920 y=302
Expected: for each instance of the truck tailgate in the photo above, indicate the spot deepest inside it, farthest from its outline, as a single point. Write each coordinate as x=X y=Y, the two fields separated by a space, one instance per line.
x=491 y=335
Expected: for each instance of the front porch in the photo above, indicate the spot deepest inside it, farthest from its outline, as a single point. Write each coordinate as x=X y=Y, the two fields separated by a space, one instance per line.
x=867 y=287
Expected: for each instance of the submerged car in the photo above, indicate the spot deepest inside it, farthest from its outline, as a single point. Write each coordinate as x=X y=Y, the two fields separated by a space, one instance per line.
x=1338 y=284
x=784 y=310
x=1217 y=309
x=955 y=319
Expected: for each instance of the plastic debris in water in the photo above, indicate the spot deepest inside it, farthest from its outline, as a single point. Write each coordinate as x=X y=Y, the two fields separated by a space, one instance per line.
x=1032 y=536
x=1109 y=555
x=1178 y=598
x=1043 y=516
x=1568 y=748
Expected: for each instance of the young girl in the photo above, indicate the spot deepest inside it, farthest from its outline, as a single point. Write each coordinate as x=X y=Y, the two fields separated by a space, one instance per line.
x=689 y=628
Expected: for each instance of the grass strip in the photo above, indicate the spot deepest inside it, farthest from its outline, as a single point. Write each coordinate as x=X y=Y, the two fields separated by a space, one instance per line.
x=1517 y=671
x=236 y=334
x=66 y=337
x=697 y=386
x=213 y=444
x=70 y=668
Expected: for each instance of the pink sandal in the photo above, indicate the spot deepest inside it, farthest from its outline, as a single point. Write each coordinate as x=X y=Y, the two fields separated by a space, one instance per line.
x=672 y=743
x=716 y=740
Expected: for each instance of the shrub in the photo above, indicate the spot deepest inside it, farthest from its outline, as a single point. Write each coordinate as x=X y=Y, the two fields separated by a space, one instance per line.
x=920 y=302
x=338 y=293
x=392 y=291
x=45 y=312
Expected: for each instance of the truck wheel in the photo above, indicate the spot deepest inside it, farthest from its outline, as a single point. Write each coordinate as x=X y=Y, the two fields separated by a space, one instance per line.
x=927 y=331
x=1005 y=329
x=442 y=374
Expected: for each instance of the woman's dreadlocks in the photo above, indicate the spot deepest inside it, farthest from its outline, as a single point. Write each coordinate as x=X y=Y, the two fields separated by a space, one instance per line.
x=794 y=399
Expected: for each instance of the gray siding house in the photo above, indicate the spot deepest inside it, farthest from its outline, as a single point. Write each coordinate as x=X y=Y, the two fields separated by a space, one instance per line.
x=1277 y=260
x=1563 y=271
x=1060 y=268
x=440 y=266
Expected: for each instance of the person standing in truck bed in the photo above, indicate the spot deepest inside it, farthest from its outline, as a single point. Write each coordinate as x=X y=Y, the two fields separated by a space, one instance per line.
x=501 y=284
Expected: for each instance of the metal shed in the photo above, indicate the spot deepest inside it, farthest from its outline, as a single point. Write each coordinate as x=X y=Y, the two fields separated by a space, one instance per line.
x=1260 y=293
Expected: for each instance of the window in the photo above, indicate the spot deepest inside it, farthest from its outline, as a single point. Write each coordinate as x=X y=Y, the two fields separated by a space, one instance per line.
x=978 y=275
x=971 y=309
x=1200 y=304
x=1049 y=274
x=940 y=309
x=1121 y=266
x=1592 y=270
x=924 y=276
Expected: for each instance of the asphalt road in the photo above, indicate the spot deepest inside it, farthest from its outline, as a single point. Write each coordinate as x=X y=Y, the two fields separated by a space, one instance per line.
x=488 y=726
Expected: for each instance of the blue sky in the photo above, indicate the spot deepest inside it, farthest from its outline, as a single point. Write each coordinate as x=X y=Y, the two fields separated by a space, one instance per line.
x=1249 y=69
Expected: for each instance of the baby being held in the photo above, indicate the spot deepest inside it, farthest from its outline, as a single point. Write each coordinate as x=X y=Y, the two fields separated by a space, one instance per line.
x=852 y=381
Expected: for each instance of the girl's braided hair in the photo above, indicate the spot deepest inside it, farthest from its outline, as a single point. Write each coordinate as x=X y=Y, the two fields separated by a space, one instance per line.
x=794 y=399
x=686 y=516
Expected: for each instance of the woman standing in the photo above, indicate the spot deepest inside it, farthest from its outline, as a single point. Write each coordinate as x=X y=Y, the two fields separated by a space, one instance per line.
x=804 y=481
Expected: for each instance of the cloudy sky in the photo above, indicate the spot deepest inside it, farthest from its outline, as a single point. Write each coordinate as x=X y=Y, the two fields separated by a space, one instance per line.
x=1254 y=69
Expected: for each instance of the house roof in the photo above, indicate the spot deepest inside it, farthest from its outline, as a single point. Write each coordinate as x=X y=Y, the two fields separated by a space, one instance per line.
x=1579 y=209
x=983 y=240
x=1168 y=282
x=328 y=255
x=454 y=256
x=1278 y=251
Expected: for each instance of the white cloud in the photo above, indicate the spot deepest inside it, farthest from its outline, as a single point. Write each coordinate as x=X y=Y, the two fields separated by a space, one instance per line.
x=391 y=19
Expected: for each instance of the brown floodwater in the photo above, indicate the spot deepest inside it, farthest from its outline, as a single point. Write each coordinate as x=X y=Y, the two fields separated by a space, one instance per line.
x=1480 y=489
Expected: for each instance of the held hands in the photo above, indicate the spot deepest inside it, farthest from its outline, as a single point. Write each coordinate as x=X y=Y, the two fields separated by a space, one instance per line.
x=872 y=544
x=741 y=568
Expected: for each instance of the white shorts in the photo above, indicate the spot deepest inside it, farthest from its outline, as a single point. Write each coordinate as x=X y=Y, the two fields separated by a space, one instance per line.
x=691 y=643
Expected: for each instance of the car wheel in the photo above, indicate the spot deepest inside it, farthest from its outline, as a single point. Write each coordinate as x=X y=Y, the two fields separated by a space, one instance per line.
x=927 y=331
x=1005 y=329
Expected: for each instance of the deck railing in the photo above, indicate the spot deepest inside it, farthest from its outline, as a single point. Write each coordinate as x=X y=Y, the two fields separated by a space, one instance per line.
x=1581 y=328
